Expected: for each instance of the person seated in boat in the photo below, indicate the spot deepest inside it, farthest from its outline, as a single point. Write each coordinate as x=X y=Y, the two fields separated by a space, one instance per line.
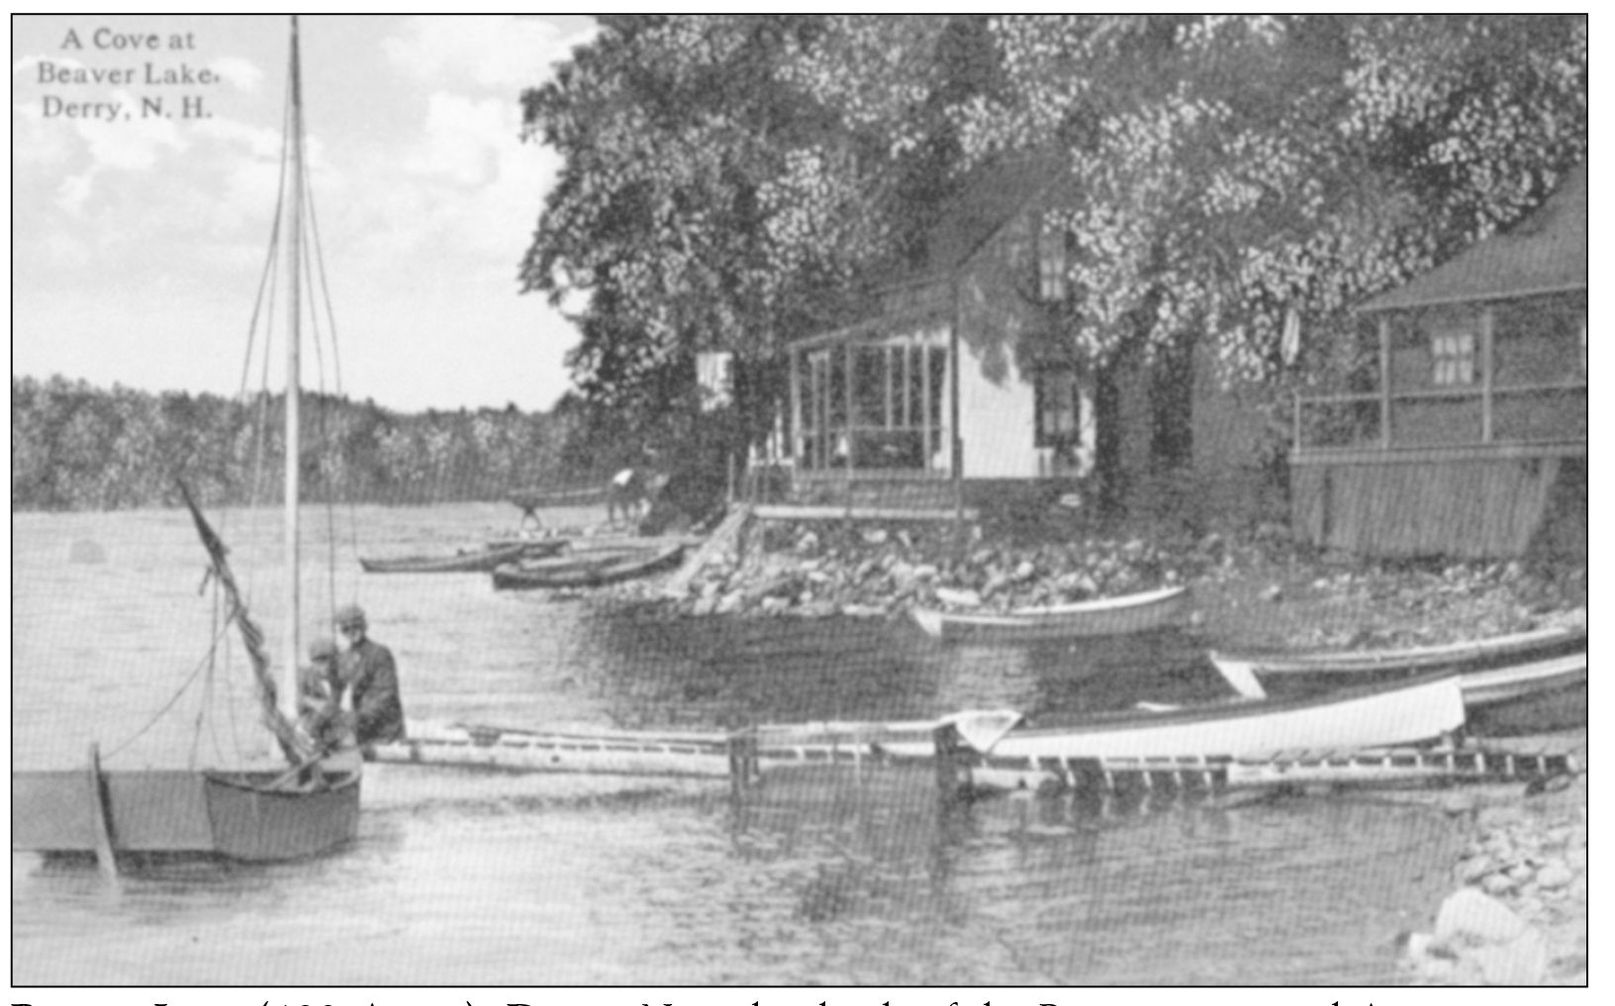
x=319 y=695
x=369 y=679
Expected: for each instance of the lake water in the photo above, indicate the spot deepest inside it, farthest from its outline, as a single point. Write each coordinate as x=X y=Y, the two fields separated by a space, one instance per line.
x=823 y=877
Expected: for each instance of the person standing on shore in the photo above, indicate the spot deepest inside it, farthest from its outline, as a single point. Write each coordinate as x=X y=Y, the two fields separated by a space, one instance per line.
x=369 y=677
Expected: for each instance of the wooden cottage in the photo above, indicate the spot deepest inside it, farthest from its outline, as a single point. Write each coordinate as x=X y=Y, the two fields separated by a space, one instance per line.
x=955 y=391
x=1473 y=440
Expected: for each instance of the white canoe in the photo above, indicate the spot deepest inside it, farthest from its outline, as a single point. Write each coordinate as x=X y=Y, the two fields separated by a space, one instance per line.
x=1111 y=616
x=1493 y=670
x=1384 y=715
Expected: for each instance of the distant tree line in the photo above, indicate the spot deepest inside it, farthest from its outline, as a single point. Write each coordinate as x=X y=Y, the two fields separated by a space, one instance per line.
x=79 y=447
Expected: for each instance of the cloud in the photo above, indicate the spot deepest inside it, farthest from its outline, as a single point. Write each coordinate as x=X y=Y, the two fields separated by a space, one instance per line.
x=244 y=74
x=494 y=51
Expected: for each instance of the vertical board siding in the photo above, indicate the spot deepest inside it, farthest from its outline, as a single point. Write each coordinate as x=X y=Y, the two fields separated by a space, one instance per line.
x=1463 y=509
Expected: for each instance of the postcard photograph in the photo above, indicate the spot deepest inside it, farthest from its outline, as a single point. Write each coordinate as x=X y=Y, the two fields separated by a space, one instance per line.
x=881 y=501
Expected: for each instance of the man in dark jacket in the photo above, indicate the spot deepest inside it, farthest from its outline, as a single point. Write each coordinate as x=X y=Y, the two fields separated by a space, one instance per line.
x=368 y=675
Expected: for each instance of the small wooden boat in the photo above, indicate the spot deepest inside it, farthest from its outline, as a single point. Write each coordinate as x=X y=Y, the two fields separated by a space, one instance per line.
x=590 y=569
x=1111 y=616
x=1380 y=715
x=476 y=561
x=1495 y=670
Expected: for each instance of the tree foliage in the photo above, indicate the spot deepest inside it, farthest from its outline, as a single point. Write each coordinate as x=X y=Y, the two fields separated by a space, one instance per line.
x=77 y=447
x=736 y=181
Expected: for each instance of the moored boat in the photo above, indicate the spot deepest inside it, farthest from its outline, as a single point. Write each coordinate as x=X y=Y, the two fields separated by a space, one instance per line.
x=1381 y=715
x=1111 y=616
x=1491 y=671
x=586 y=569
x=474 y=561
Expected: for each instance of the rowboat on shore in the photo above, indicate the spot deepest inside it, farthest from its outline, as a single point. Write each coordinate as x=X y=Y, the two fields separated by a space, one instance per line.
x=1500 y=669
x=482 y=560
x=586 y=569
x=1111 y=616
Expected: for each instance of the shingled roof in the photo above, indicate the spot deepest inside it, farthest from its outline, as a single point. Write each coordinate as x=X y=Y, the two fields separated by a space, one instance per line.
x=1544 y=253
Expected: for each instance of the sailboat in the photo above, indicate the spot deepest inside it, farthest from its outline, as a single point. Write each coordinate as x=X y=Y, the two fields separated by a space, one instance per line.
x=306 y=808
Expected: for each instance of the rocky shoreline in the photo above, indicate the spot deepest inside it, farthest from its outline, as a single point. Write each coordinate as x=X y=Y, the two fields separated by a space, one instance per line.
x=1519 y=913
x=1252 y=591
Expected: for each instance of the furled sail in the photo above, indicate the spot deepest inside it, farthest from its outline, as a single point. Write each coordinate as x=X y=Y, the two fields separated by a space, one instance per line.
x=292 y=744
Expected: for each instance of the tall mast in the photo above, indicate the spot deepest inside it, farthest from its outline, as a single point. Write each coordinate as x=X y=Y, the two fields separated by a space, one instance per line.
x=293 y=450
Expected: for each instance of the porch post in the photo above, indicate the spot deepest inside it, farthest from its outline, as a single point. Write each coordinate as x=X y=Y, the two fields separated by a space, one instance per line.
x=925 y=403
x=798 y=443
x=954 y=366
x=848 y=396
x=1385 y=381
x=1487 y=336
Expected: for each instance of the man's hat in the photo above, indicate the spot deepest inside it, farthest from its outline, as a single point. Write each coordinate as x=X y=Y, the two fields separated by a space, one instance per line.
x=322 y=648
x=350 y=616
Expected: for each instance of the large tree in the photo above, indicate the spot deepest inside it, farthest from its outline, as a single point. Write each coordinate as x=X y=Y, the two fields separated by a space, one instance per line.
x=734 y=181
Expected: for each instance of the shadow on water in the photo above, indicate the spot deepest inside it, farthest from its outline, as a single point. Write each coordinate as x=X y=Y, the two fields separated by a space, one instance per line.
x=655 y=671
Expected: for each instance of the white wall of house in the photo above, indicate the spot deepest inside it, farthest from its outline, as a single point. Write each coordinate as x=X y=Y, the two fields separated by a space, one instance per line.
x=999 y=423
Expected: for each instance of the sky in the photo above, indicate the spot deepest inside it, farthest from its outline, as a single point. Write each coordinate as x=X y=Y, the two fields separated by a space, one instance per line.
x=138 y=241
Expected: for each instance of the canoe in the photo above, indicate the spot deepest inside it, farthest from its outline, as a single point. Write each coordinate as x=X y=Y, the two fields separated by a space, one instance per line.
x=1111 y=616
x=534 y=547
x=245 y=816
x=1380 y=715
x=586 y=570
x=646 y=753
x=1494 y=670
x=478 y=561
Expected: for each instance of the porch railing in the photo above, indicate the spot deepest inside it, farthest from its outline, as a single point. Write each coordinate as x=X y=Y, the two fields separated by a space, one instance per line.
x=1466 y=417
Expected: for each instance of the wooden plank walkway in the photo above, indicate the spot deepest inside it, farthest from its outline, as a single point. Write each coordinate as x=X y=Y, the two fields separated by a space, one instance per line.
x=725 y=536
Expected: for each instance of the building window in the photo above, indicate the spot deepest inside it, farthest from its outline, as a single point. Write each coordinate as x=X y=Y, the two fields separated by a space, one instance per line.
x=1454 y=358
x=1057 y=406
x=1051 y=260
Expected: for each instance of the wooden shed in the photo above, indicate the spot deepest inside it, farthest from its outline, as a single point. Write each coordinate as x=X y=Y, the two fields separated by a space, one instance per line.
x=1473 y=441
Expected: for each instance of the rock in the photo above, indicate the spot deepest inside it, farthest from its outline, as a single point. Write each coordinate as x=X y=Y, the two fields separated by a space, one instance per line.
x=808 y=543
x=1520 y=961
x=1273 y=593
x=1210 y=543
x=773 y=605
x=1520 y=873
x=1470 y=916
x=706 y=605
x=1024 y=572
x=1554 y=875
x=862 y=611
x=875 y=536
x=729 y=604
x=925 y=571
x=958 y=598
x=1497 y=883
x=1471 y=870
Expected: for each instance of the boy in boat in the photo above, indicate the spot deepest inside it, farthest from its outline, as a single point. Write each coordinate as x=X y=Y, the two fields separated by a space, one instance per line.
x=319 y=696
x=367 y=673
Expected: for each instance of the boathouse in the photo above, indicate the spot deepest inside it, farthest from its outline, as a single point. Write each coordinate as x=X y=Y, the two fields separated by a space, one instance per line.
x=955 y=390
x=1470 y=436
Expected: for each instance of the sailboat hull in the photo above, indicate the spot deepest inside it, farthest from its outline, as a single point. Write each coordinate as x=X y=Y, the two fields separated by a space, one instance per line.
x=232 y=815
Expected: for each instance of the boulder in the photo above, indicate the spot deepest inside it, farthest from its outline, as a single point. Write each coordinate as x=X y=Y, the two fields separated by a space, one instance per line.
x=875 y=536
x=1520 y=961
x=1554 y=875
x=1470 y=916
